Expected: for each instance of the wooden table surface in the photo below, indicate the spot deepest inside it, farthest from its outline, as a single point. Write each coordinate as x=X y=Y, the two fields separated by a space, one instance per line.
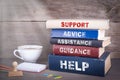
x=113 y=74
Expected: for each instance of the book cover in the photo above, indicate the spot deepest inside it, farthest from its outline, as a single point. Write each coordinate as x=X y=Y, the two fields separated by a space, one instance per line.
x=80 y=65
x=68 y=50
x=78 y=23
x=81 y=42
x=78 y=33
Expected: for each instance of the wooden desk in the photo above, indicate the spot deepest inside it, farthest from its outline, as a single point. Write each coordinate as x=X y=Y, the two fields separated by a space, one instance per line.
x=113 y=74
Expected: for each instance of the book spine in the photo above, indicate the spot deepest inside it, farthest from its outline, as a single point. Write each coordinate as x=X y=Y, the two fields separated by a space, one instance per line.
x=78 y=24
x=75 y=33
x=68 y=50
x=77 y=42
x=80 y=65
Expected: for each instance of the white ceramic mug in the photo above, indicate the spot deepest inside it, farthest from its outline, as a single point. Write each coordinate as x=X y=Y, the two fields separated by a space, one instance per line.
x=28 y=53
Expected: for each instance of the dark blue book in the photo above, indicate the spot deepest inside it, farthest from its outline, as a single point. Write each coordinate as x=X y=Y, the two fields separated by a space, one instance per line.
x=81 y=65
x=78 y=33
x=81 y=42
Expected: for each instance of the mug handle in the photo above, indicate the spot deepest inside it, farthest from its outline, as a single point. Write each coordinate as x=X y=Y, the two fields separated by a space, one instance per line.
x=17 y=55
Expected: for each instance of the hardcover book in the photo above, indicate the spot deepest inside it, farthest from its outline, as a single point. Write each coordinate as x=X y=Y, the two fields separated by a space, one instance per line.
x=78 y=24
x=83 y=51
x=78 y=33
x=81 y=65
x=81 y=42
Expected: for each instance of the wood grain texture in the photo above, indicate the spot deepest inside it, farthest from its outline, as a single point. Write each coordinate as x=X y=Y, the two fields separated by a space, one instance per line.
x=23 y=22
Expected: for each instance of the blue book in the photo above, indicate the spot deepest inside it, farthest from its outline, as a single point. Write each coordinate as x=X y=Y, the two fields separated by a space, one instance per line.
x=78 y=33
x=81 y=65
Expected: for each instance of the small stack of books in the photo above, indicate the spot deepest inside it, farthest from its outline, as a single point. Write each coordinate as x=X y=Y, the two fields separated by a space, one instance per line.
x=79 y=46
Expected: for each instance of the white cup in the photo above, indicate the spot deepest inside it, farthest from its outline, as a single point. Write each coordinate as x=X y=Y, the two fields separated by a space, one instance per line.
x=28 y=53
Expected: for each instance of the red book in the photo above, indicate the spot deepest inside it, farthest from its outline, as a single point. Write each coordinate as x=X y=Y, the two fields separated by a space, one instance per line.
x=68 y=50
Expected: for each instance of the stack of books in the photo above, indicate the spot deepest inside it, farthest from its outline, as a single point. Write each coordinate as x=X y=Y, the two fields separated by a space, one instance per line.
x=79 y=46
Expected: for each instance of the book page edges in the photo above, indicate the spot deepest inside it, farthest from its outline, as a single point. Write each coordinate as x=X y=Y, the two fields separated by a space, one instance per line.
x=101 y=51
x=107 y=64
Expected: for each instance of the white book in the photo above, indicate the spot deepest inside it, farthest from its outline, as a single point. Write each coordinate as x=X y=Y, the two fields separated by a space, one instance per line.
x=78 y=24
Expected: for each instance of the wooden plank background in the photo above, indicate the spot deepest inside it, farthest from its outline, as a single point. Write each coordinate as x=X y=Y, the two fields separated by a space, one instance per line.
x=23 y=21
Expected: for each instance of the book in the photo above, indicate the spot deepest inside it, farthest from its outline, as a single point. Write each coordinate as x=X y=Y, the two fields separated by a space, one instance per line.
x=78 y=24
x=68 y=50
x=80 y=65
x=78 y=33
x=81 y=42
